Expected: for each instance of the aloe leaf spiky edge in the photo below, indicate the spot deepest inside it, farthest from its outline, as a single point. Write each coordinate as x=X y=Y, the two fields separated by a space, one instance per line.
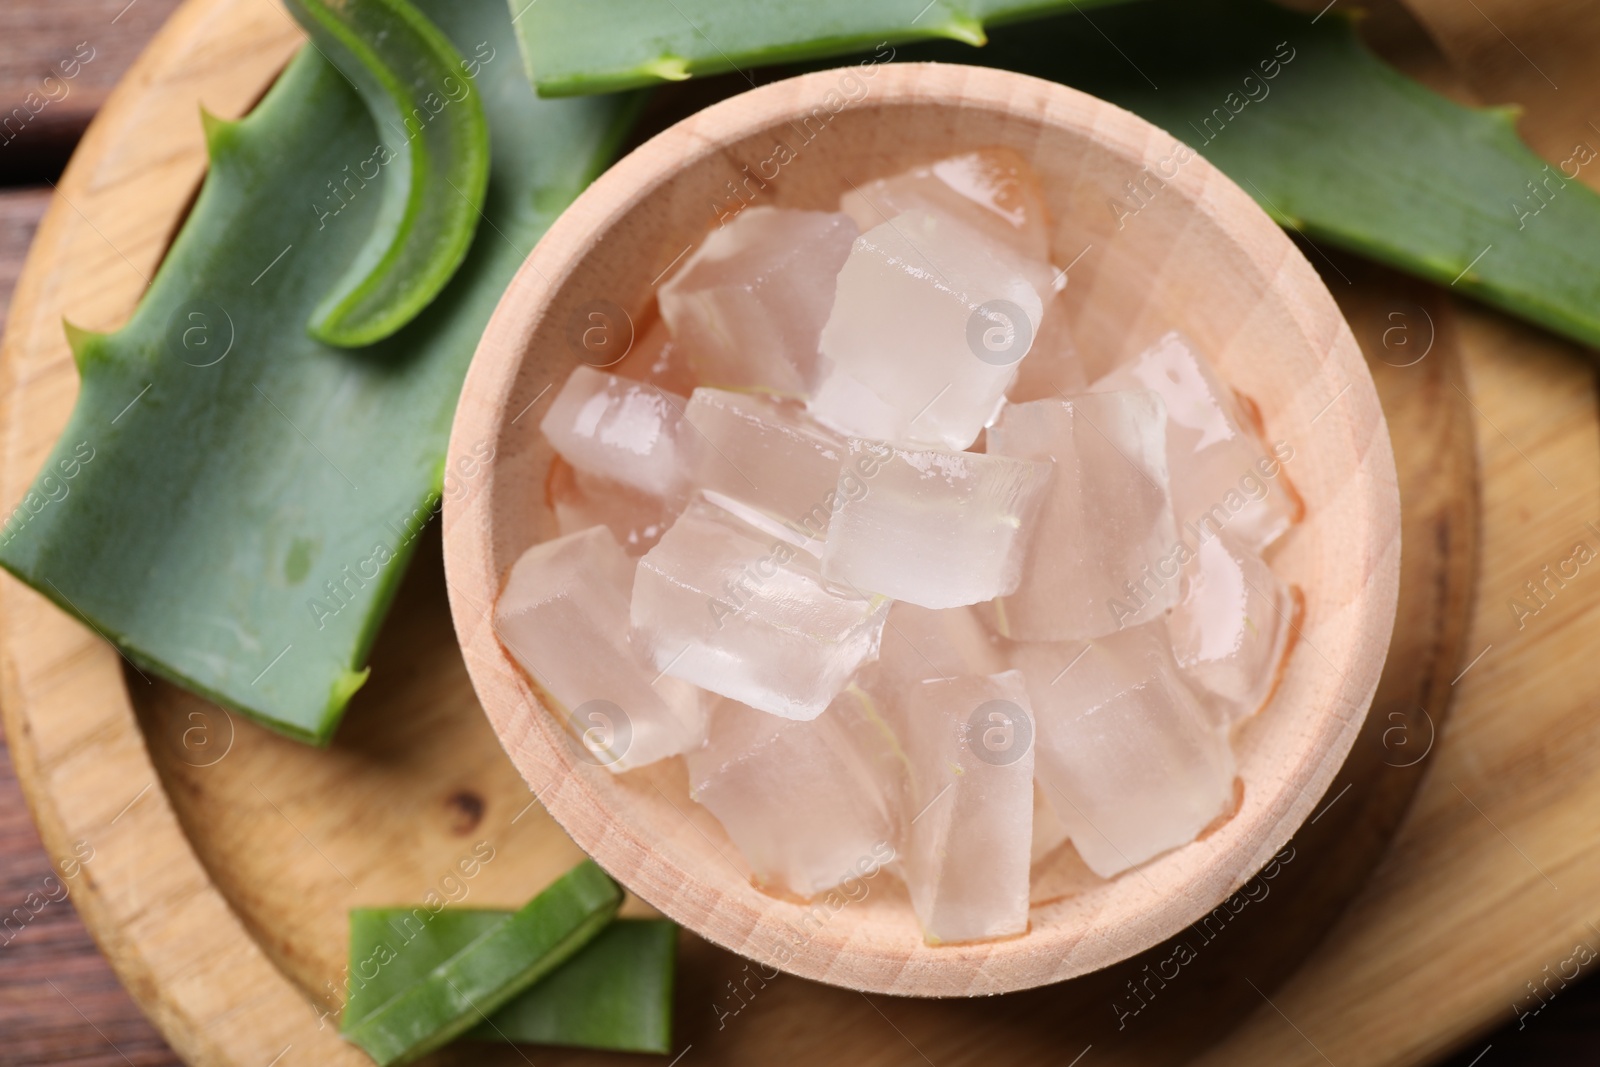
x=1333 y=143
x=569 y=50
x=1340 y=146
x=202 y=499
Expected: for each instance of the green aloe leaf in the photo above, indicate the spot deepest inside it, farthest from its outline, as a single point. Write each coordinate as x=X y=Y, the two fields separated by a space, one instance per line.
x=615 y=994
x=1341 y=147
x=233 y=502
x=436 y=975
x=576 y=46
x=434 y=140
x=1334 y=143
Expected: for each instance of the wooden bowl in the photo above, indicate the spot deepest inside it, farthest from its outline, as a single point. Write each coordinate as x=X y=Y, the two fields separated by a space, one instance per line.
x=1190 y=250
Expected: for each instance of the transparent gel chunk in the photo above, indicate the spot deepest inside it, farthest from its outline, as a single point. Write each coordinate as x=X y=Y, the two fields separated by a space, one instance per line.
x=1049 y=832
x=920 y=644
x=765 y=453
x=932 y=318
x=656 y=359
x=726 y=607
x=844 y=404
x=618 y=428
x=880 y=737
x=933 y=528
x=1128 y=759
x=917 y=644
x=993 y=190
x=564 y=616
x=925 y=643
x=1054 y=368
x=1223 y=475
x=748 y=305
x=970 y=841
x=581 y=500
x=1231 y=629
x=797 y=798
x=1103 y=556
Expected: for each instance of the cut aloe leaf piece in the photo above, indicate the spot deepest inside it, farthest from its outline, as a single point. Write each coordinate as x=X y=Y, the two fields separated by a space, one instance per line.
x=433 y=139
x=1337 y=145
x=614 y=994
x=1329 y=139
x=572 y=47
x=445 y=972
x=244 y=499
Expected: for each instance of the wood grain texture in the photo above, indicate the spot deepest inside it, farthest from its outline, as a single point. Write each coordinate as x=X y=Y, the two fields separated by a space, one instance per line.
x=60 y=1003
x=1470 y=885
x=1201 y=257
x=193 y=824
x=1538 y=57
x=20 y=213
x=95 y=772
x=1514 y=769
x=58 y=63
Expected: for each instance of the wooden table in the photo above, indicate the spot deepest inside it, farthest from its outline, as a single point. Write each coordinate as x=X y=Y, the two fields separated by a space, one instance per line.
x=59 y=1002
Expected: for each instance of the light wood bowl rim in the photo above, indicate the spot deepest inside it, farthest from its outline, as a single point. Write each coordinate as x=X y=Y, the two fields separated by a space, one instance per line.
x=738 y=917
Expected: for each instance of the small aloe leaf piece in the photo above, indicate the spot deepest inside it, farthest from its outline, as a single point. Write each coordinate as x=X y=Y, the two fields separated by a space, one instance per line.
x=232 y=502
x=458 y=967
x=615 y=994
x=570 y=50
x=433 y=140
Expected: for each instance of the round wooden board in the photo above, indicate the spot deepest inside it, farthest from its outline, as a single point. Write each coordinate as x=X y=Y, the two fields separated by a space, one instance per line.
x=224 y=858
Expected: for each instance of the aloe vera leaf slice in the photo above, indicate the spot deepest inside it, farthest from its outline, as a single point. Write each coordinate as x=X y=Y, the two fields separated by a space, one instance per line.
x=574 y=46
x=233 y=502
x=428 y=1001
x=614 y=994
x=435 y=143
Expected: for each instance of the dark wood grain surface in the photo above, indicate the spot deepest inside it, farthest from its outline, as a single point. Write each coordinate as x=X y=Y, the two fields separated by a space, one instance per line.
x=59 y=1001
x=58 y=60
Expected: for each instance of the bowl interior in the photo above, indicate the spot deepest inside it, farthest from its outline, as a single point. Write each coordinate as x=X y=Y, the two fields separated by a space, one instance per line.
x=1156 y=239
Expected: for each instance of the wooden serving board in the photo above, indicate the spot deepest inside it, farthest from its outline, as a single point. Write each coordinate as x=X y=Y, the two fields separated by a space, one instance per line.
x=222 y=859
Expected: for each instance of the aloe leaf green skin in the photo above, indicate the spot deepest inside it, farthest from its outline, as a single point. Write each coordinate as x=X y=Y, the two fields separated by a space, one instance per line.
x=464 y=965
x=436 y=147
x=243 y=499
x=1335 y=144
x=1338 y=146
x=579 y=46
x=615 y=994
